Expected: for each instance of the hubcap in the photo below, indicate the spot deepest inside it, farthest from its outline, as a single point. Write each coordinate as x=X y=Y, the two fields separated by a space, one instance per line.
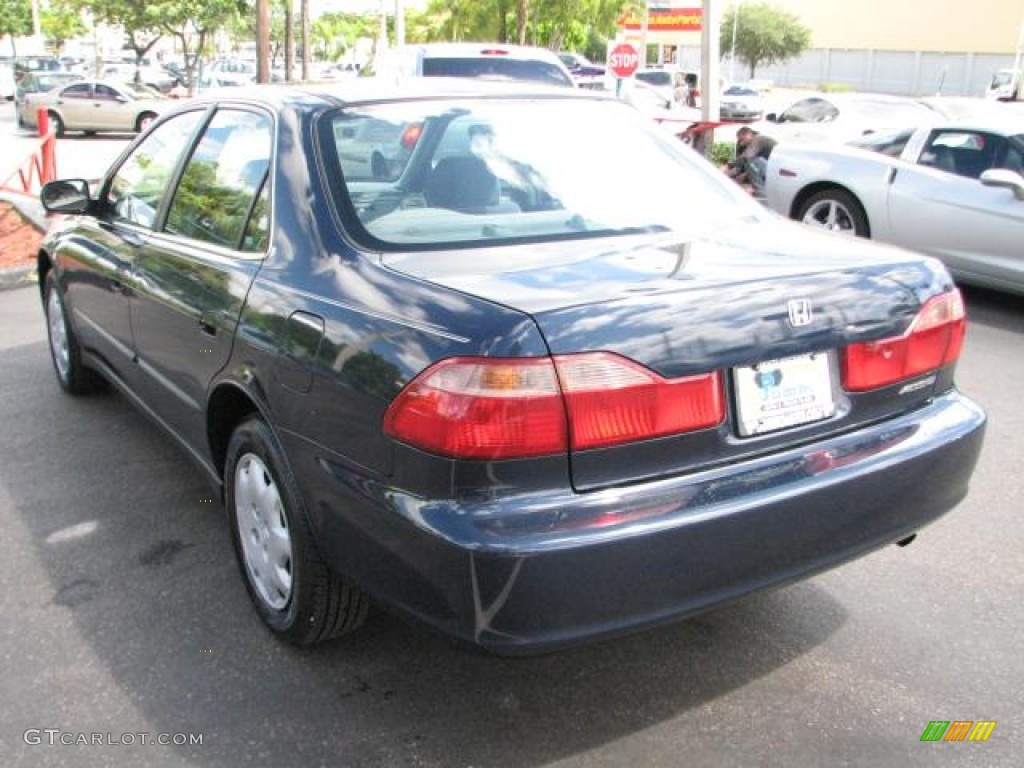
x=830 y=215
x=58 y=334
x=263 y=531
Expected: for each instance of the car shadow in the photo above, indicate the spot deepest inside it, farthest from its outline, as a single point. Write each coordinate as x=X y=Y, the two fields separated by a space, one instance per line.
x=136 y=556
x=993 y=308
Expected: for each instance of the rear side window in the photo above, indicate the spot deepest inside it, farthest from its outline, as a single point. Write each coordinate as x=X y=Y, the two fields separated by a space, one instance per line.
x=496 y=68
x=220 y=185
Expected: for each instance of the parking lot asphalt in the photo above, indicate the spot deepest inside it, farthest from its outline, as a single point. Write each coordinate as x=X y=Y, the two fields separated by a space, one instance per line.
x=123 y=613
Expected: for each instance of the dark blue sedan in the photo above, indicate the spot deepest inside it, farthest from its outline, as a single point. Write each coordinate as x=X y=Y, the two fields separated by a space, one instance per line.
x=550 y=377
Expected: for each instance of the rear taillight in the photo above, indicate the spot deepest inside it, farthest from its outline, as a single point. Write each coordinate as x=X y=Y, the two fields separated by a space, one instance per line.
x=487 y=408
x=482 y=408
x=934 y=339
x=612 y=400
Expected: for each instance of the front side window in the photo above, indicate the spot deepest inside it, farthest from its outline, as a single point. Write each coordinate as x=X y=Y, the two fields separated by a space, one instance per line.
x=137 y=188
x=521 y=169
x=965 y=153
x=219 y=187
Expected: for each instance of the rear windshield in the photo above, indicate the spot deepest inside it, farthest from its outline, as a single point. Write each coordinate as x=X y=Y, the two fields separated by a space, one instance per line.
x=447 y=173
x=496 y=68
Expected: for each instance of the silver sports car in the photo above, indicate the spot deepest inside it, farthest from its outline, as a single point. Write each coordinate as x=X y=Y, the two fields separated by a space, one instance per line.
x=951 y=189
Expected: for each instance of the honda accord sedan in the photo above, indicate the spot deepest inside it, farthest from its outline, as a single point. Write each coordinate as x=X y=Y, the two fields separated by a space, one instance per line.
x=553 y=377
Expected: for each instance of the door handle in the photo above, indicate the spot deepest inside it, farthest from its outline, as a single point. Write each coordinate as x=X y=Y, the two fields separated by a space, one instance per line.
x=206 y=325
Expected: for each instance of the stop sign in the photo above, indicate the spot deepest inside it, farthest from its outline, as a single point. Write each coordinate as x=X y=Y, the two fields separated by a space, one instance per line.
x=623 y=60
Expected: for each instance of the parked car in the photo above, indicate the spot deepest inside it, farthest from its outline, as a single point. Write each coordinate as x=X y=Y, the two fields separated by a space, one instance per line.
x=227 y=73
x=157 y=78
x=664 y=79
x=741 y=102
x=580 y=66
x=25 y=64
x=586 y=73
x=488 y=61
x=843 y=116
x=93 y=106
x=558 y=379
x=952 y=189
x=37 y=82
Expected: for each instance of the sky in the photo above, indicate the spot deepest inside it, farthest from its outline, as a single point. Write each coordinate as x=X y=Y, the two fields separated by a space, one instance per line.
x=316 y=7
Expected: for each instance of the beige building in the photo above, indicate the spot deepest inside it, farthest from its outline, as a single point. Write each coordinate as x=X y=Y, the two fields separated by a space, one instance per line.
x=912 y=47
x=954 y=26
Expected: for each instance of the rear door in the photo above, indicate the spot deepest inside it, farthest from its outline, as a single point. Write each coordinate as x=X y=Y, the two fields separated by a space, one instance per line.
x=193 y=275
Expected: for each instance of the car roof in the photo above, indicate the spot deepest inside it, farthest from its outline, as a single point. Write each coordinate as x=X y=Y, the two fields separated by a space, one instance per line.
x=384 y=89
x=1008 y=125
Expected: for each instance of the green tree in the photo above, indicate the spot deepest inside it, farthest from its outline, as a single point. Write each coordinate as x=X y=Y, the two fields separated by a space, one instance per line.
x=193 y=23
x=136 y=17
x=15 y=20
x=554 y=24
x=60 y=22
x=334 y=33
x=764 y=35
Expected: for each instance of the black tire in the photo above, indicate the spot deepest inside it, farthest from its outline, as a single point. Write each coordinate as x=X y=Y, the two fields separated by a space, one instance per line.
x=837 y=206
x=56 y=123
x=317 y=605
x=65 y=353
x=143 y=121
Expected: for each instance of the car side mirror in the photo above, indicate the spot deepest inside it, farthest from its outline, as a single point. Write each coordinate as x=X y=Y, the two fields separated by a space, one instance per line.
x=1001 y=177
x=66 y=196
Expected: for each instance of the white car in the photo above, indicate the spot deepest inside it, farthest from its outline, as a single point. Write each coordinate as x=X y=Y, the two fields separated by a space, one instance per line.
x=741 y=102
x=952 y=189
x=842 y=117
x=487 y=61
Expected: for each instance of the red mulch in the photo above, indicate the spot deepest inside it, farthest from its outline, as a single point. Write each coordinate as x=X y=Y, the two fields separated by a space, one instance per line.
x=19 y=240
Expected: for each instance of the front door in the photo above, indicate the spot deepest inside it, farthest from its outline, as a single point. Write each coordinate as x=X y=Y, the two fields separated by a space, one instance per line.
x=99 y=278
x=194 y=274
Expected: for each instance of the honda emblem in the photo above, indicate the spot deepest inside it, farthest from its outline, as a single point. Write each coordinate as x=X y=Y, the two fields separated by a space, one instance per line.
x=799 y=312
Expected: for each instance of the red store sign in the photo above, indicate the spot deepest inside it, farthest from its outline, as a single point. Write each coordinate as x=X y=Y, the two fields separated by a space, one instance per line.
x=666 y=20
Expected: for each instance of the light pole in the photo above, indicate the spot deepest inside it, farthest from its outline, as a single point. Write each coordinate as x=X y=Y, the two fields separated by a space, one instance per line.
x=732 y=53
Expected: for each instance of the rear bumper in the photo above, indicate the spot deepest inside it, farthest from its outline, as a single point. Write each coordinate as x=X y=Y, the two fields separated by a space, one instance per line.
x=528 y=573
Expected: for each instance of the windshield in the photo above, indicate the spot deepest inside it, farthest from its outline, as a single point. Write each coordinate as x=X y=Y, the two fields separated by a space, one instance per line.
x=445 y=173
x=890 y=143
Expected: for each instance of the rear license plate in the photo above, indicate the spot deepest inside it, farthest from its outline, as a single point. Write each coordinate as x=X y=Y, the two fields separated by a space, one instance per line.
x=784 y=393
